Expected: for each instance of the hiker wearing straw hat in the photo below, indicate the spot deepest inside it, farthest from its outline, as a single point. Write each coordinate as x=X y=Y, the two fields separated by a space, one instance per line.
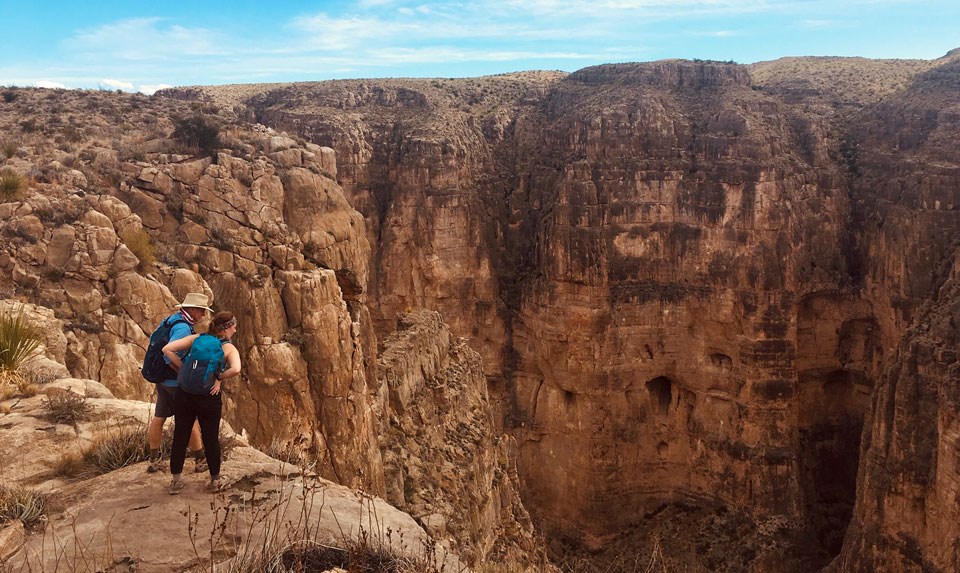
x=179 y=325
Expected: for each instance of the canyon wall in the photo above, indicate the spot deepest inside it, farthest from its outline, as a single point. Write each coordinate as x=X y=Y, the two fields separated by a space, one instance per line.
x=660 y=286
x=685 y=286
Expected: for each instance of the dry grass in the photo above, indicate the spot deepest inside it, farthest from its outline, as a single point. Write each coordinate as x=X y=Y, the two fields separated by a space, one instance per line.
x=71 y=465
x=15 y=384
x=9 y=148
x=116 y=447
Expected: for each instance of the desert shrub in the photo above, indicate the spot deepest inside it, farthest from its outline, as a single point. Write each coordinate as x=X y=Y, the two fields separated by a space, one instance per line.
x=11 y=184
x=64 y=213
x=9 y=96
x=23 y=504
x=197 y=132
x=70 y=465
x=18 y=340
x=10 y=148
x=141 y=244
x=73 y=134
x=66 y=408
x=221 y=239
x=117 y=447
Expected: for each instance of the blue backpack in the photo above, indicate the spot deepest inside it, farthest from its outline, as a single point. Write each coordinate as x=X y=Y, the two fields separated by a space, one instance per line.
x=155 y=369
x=202 y=364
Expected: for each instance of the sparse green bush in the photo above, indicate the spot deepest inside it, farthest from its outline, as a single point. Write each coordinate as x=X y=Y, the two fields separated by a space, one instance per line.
x=18 y=340
x=66 y=408
x=10 y=148
x=141 y=244
x=118 y=447
x=23 y=504
x=198 y=132
x=11 y=184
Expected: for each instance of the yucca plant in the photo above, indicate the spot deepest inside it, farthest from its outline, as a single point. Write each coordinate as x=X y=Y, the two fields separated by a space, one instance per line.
x=18 y=340
x=23 y=504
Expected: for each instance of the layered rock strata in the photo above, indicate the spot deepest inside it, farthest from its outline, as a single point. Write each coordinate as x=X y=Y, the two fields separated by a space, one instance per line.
x=695 y=281
x=444 y=461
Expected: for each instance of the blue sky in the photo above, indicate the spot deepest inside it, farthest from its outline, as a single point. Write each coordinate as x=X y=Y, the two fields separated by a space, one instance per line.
x=139 y=46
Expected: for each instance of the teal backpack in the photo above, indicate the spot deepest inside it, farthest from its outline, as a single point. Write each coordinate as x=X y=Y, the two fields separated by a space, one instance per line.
x=201 y=366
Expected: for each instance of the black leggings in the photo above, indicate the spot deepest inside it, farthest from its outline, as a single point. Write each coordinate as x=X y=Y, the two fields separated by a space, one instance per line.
x=188 y=408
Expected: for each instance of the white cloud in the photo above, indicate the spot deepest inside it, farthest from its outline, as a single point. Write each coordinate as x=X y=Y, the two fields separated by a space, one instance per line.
x=147 y=39
x=819 y=23
x=150 y=89
x=115 y=85
x=49 y=85
x=715 y=34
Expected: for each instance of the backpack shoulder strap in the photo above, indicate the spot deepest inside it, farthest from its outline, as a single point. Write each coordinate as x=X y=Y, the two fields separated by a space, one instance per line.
x=175 y=319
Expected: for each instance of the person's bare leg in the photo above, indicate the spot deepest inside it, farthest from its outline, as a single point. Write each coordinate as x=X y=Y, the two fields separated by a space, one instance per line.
x=154 y=438
x=195 y=442
x=155 y=433
x=196 y=446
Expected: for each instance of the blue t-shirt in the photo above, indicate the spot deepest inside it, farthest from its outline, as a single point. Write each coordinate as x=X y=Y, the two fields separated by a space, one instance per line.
x=178 y=331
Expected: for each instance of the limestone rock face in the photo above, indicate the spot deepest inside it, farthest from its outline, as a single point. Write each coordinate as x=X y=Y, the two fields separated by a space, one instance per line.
x=265 y=234
x=632 y=255
x=426 y=176
x=684 y=286
x=444 y=461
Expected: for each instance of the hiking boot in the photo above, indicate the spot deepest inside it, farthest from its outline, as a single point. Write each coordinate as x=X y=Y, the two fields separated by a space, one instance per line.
x=200 y=465
x=176 y=487
x=217 y=484
x=156 y=465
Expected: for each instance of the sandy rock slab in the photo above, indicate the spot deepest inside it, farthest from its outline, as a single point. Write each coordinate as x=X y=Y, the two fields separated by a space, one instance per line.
x=127 y=520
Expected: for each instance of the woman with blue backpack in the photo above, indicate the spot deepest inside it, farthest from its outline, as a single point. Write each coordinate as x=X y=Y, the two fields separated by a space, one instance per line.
x=210 y=359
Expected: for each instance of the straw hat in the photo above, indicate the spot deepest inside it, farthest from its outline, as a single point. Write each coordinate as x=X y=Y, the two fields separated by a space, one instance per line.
x=195 y=300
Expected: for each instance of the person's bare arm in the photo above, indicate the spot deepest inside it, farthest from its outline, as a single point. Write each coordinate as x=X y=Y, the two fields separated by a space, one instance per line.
x=232 y=356
x=181 y=344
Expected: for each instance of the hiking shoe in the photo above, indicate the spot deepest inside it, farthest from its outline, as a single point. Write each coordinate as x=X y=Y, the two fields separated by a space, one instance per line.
x=201 y=466
x=176 y=487
x=155 y=466
x=218 y=484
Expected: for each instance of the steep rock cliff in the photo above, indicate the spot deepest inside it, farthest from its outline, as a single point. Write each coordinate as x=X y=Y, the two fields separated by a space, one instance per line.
x=112 y=227
x=685 y=285
x=907 y=178
x=444 y=461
